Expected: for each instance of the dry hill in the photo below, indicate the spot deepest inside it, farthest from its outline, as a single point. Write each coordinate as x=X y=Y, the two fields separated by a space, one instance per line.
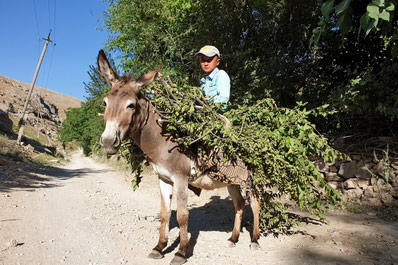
x=46 y=110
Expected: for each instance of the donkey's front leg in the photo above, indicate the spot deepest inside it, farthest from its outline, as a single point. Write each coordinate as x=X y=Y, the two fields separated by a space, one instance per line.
x=181 y=186
x=166 y=191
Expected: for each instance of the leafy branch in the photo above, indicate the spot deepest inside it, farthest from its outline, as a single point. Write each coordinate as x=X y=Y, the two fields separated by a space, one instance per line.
x=275 y=144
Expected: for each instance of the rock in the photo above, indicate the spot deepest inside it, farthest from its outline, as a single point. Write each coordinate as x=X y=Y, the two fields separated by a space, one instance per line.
x=363 y=173
x=336 y=185
x=322 y=166
x=333 y=169
x=360 y=164
x=29 y=148
x=356 y=157
x=369 y=192
x=5 y=122
x=363 y=183
x=373 y=181
x=350 y=184
x=367 y=159
x=394 y=182
x=380 y=182
x=347 y=170
x=394 y=165
x=386 y=198
x=12 y=244
x=331 y=176
x=388 y=188
x=353 y=193
x=369 y=165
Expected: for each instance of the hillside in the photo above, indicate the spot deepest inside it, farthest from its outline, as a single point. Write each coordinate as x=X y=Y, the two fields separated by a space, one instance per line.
x=45 y=111
x=14 y=91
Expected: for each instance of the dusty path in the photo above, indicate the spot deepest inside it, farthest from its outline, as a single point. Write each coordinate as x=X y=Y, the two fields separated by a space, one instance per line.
x=86 y=213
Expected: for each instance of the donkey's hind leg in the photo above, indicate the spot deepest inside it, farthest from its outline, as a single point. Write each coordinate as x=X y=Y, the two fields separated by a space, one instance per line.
x=239 y=205
x=255 y=205
x=166 y=191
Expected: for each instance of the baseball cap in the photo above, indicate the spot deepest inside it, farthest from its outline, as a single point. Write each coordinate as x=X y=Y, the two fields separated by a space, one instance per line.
x=209 y=51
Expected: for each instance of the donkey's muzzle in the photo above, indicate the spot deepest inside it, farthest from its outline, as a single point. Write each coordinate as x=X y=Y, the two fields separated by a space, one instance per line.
x=110 y=139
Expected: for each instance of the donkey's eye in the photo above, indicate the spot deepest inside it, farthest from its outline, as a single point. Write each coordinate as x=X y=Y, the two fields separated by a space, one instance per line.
x=131 y=106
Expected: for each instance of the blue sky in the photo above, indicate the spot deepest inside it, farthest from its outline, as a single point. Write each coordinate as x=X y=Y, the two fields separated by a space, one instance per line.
x=75 y=25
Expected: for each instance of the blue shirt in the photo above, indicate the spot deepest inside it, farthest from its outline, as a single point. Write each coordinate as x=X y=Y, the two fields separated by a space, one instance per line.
x=216 y=86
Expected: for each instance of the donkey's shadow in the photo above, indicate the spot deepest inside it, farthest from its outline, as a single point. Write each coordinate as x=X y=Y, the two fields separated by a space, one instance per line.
x=216 y=215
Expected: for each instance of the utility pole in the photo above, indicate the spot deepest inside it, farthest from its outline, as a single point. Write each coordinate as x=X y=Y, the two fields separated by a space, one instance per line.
x=21 y=122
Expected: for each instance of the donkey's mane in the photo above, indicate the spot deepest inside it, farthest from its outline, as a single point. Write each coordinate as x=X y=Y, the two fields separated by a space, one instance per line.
x=126 y=78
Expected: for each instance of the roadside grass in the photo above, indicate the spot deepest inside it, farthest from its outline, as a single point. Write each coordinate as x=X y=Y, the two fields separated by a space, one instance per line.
x=47 y=159
x=9 y=149
x=30 y=133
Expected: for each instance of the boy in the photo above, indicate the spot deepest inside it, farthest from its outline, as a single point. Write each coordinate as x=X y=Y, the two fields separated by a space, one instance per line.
x=216 y=85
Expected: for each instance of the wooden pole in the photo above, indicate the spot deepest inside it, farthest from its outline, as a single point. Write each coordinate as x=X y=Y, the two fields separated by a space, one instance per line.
x=21 y=122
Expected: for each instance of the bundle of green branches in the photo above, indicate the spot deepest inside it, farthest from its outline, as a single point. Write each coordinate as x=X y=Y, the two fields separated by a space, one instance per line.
x=275 y=143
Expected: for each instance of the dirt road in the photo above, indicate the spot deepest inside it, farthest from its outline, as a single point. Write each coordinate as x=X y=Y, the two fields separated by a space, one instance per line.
x=86 y=213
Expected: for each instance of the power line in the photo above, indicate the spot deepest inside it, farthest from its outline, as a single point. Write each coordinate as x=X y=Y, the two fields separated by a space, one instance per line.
x=48 y=70
x=38 y=30
x=37 y=22
x=47 y=62
x=54 y=18
x=49 y=14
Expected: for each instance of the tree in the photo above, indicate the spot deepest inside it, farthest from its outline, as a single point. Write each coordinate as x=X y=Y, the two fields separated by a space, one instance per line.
x=262 y=42
x=364 y=17
x=355 y=67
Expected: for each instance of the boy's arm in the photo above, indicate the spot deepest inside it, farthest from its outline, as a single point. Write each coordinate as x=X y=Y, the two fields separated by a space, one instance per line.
x=224 y=87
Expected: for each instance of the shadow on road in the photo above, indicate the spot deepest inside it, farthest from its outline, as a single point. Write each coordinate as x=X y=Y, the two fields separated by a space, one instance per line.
x=349 y=242
x=31 y=178
x=218 y=215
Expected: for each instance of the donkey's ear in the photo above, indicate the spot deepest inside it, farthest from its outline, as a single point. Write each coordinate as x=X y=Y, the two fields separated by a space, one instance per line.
x=148 y=78
x=105 y=69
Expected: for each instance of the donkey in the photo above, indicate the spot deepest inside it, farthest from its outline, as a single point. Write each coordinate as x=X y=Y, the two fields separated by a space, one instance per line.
x=129 y=114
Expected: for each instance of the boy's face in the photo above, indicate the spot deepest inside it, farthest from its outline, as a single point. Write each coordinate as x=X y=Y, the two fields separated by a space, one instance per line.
x=208 y=64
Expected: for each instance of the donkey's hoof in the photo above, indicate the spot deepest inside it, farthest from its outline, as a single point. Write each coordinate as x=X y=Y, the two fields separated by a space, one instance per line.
x=155 y=255
x=254 y=246
x=230 y=244
x=178 y=260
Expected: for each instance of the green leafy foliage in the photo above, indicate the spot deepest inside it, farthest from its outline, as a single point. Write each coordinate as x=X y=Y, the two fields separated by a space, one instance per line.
x=275 y=143
x=354 y=68
x=264 y=49
x=378 y=17
x=84 y=126
x=135 y=158
x=262 y=43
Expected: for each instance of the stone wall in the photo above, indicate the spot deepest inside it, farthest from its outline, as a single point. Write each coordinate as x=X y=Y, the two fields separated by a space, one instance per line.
x=365 y=179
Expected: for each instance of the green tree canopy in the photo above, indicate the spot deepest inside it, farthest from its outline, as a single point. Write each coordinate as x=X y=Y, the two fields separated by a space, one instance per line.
x=265 y=49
